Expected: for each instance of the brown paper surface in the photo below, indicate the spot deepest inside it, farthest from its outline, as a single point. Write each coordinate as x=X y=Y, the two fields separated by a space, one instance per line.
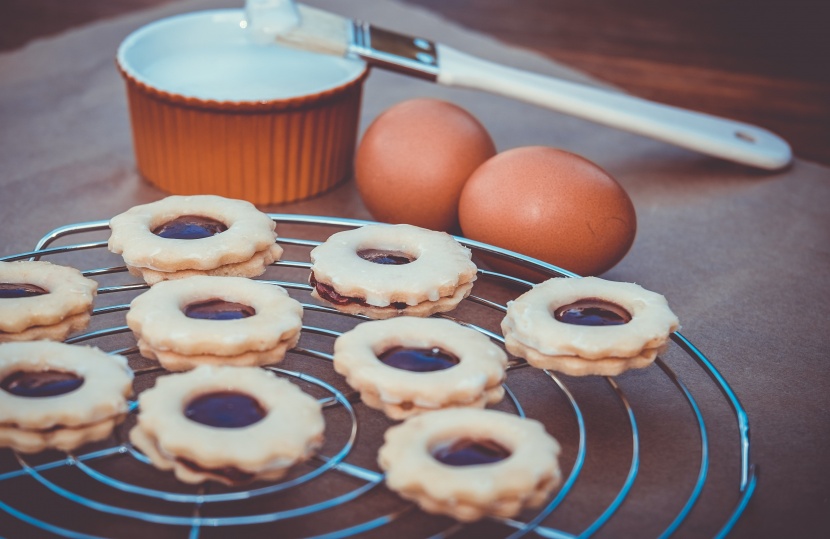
x=741 y=255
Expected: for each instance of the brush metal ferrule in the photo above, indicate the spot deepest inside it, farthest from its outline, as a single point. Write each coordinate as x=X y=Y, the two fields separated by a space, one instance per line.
x=391 y=50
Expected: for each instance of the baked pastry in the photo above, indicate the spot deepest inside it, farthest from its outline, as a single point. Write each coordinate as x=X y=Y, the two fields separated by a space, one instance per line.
x=182 y=236
x=469 y=463
x=587 y=325
x=40 y=300
x=216 y=320
x=383 y=271
x=406 y=366
x=59 y=396
x=233 y=425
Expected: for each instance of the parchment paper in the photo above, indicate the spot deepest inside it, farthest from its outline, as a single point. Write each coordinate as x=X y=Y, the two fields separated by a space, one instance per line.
x=741 y=255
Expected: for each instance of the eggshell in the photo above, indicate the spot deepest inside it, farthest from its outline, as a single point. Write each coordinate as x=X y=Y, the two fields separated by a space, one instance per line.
x=552 y=205
x=414 y=159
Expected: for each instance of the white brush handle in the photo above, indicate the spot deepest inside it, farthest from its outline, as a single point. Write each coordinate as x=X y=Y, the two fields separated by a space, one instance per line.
x=719 y=137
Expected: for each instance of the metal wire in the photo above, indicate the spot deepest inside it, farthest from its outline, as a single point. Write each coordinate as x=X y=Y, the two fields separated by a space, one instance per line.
x=337 y=463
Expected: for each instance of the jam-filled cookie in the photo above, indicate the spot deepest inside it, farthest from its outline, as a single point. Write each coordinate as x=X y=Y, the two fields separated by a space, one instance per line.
x=583 y=326
x=59 y=396
x=40 y=300
x=182 y=236
x=383 y=271
x=469 y=463
x=232 y=425
x=215 y=320
x=405 y=366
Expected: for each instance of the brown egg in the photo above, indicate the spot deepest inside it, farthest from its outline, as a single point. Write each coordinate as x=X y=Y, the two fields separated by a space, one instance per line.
x=552 y=205
x=414 y=159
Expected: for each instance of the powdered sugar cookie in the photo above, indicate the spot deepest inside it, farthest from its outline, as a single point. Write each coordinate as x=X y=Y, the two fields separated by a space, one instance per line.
x=383 y=271
x=469 y=463
x=405 y=366
x=40 y=300
x=588 y=325
x=233 y=425
x=59 y=396
x=218 y=320
x=180 y=236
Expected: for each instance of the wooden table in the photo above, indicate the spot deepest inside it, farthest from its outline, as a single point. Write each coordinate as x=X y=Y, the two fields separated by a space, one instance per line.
x=755 y=61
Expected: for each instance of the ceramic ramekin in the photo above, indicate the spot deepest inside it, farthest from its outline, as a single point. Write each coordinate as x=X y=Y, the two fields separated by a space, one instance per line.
x=212 y=112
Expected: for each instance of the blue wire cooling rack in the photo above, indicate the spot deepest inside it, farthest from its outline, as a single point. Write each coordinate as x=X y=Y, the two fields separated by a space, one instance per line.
x=196 y=519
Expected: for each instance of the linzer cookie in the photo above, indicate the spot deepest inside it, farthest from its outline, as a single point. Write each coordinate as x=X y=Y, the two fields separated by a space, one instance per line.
x=406 y=366
x=59 y=396
x=182 y=236
x=40 y=300
x=469 y=463
x=583 y=326
x=383 y=271
x=233 y=425
x=215 y=320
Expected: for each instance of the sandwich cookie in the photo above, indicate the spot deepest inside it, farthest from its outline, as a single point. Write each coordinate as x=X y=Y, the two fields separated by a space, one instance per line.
x=406 y=366
x=60 y=396
x=382 y=271
x=583 y=326
x=468 y=463
x=40 y=300
x=182 y=236
x=215 y=320
x=233 y=425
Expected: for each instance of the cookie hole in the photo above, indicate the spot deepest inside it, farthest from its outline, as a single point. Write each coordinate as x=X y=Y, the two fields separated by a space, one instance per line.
x=190 y=227
x=225 y=410
x=469 y=452
x=20 y=290
x=47 y=383
x=592 y=312
x=218 y=309
x=418 y=359
x=386 y=258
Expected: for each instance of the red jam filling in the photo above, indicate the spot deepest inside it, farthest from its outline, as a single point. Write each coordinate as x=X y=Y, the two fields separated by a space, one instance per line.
x=225 y=410
x=190 y=227
x=387 y=258
x=418 y=359
x=328 y=293
x=469 y=452
x=41 y=383
x=592 y=312
x=218 y=309
x=20 y=290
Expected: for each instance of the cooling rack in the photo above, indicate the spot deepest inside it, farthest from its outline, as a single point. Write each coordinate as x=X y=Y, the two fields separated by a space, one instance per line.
x=663 y=450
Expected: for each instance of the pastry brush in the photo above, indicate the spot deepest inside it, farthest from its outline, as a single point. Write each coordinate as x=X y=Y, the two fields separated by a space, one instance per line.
x=329 y=33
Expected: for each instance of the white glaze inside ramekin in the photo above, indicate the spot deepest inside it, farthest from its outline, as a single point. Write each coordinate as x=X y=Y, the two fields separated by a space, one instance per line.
x=210 y=55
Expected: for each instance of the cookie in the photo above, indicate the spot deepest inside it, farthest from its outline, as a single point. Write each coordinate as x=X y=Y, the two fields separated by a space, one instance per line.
x=382 y=271
x=584 y=326
x=468 y=463
x=215 y=320
x=183 y=236
x=233 y=425
x=40 y=300
x=405 y=366
x=59 y=396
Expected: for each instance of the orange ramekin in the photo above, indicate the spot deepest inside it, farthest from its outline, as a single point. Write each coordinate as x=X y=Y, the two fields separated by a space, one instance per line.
x=193 y=136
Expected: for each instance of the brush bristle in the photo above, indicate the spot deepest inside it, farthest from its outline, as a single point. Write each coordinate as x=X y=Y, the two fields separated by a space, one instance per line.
x=319 y=31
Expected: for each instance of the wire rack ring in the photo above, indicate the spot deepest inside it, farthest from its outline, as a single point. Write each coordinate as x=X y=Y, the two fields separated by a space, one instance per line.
x=369 y=479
